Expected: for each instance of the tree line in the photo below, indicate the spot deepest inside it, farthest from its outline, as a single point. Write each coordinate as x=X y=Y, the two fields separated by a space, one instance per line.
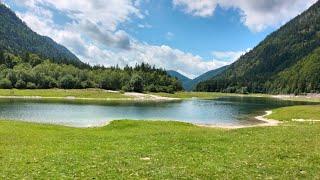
x=32 y=72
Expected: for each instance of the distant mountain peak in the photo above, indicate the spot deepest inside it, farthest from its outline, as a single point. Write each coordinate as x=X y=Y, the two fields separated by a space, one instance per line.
x=190 y=84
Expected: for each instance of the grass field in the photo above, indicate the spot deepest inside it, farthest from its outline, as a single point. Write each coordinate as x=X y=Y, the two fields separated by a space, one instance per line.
x=188 y=95
x=296 y=112
x=160 y=150
x=77 y=93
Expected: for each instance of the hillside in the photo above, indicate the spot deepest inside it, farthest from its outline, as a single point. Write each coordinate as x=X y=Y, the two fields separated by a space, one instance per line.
x=274 y=65
x=190 y=84
x=31 y=61
x=183 y=79
x=17 y=38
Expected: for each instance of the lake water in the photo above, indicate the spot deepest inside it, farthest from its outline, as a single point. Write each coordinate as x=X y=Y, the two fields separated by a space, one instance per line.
x=222 y=111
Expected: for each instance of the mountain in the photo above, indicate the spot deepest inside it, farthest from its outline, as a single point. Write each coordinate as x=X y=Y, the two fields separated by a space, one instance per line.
x=190 y=84
x=286 y=61
x=179 y=76
x=17 y=38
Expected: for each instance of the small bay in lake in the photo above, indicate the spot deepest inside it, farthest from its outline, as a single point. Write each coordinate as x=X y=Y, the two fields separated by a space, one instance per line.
x=221 y=111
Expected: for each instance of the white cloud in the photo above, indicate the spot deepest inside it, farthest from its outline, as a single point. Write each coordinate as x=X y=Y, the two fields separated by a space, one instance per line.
x=93 y=41
x=201 y=8
x=146 y=25
x=169 y=36
x=228 y=56
x=97 y=19
x=256 y=15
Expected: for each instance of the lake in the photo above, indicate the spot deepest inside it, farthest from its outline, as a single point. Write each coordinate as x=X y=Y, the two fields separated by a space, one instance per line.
x=222 y=111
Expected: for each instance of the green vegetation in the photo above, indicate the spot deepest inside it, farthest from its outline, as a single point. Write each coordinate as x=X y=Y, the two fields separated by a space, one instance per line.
x=17 y=38
x=190 y=84
x=158 y=150
x=296 y=112
x=206 y=95
x=32 y=72
x=287 y=61
x=31 y=61
x=302 y=98
x=189 y=95
x=77 y=93
x=305 y=76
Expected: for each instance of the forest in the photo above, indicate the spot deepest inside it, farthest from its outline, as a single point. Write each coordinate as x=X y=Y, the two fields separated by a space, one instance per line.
x=287 y=61
x=33 y=72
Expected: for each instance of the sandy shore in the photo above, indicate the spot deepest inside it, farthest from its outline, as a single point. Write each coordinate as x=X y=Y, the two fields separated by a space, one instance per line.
x=263 y=119
x=148 y=97
x=307 y=97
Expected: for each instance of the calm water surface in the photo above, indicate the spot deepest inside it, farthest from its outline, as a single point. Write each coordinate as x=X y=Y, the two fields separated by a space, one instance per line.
x=222 y=111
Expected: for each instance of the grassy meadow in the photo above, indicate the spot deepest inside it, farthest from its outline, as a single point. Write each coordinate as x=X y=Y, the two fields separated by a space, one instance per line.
x=62 y=93
x=130 y=149
x=296 y=112
x=161 y=150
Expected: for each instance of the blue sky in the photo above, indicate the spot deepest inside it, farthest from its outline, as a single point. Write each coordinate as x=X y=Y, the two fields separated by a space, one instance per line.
x=189 y=36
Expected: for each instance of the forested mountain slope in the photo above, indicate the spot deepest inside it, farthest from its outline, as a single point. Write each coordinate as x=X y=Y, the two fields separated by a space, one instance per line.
x=190 y=84
x=17 y=38
x=31 y=61
x=274 y=66
x=183 y=79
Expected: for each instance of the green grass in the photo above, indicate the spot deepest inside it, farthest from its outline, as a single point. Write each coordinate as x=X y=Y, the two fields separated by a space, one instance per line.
x=188 y=95
x=78 y=93
x=176 y=151
x=296 y=112
x=302 y=98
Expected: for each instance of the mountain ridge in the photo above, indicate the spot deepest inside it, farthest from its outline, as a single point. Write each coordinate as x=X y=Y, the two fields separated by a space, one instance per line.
x=17 y=38
x=190 y=84
x=258 y=71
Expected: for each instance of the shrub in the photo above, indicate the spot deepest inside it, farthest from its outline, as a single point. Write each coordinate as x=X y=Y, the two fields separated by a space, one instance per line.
x=5 y=83
x=67 y=82
x=20 y=84
x=31 y=85
x=136 y=83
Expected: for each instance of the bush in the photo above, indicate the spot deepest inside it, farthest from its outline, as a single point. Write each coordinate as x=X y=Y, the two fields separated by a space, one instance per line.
x=243 y=90
x=126 y=88
x=67 y=82
x=20 y=84
x=31 y=85
x=5 y=83
x=136 y=83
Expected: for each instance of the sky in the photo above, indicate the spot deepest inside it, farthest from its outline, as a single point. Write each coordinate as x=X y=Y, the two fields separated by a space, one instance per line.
x=188 y=36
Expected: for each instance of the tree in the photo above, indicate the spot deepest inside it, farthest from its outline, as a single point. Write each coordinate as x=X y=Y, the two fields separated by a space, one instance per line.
x=2 y=57
x=136 y=83
x=5 y=83
x=39 y=73
x=20 y=84
x=67 y=82
x=31 y=85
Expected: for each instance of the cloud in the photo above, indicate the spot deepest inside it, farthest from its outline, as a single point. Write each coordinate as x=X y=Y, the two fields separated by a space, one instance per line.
x=97 y=19
x=96 y=41
x=119 y=39
x=197 y=8
x=169 y=36
x=228 y=56
x=146 y=25
x=256 y=15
